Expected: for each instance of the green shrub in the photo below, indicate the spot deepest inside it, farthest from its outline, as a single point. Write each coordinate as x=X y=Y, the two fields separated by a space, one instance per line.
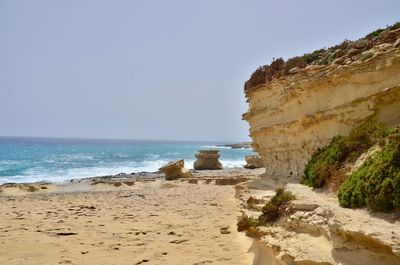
x=395 y=26
x=246 y=222
x=279 y=67
x=326 y=161
x=276 y=207
x=271 y=211
x=323 y=162
x=281 y=196
x=315 y=55
x=374 y=34
x=376 y=183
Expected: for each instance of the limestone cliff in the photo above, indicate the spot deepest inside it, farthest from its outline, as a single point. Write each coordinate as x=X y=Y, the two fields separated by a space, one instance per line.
x=297 y=110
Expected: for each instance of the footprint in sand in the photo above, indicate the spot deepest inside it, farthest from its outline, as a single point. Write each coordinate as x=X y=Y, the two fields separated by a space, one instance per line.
x=179 y=241
x=142 y=261
x=65 y=262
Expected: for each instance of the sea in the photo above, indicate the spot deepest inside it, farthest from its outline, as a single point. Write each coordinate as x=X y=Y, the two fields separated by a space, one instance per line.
x=58 y=160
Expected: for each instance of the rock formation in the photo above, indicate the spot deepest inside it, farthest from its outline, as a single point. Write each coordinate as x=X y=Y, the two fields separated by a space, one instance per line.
x=174 y=170
x=207 y=159
x=254 y=161
x=319 y=231
x=244 y=145
x=294 y=112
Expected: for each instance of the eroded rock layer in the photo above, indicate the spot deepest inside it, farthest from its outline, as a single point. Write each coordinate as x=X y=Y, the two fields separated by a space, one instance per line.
x=293 y=115
x=319 y=231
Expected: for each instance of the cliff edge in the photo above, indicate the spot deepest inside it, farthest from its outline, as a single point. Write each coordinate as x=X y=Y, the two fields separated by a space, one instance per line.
x=297 y=106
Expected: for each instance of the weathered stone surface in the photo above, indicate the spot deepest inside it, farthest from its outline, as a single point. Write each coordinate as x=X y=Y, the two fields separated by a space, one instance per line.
x=174 y=170
x=299 y=205
x=397 y=43
x=319 y=231
x=290 y=117
x=207 y=159
x=230 y=181
x=254 y=161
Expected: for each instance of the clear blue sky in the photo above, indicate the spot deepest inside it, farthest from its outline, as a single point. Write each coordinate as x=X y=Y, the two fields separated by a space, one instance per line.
x=155 y=69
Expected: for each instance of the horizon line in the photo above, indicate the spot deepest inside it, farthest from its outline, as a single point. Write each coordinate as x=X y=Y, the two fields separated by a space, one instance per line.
x=123 y=139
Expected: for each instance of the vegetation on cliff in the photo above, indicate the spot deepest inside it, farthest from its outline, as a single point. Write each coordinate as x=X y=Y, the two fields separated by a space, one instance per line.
x=325 y=162
x=376 y=183
x=272 y=210
x=279 y=67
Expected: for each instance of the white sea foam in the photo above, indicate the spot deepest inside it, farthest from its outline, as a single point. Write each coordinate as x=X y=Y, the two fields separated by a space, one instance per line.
x=78 y=157
x=8 y=162
x=189 y=163
x=225 y=163
x=171 y=153
x=153 y=156
x=233 y=163
x=59 y=176
x=121 y=155
x=215 y=147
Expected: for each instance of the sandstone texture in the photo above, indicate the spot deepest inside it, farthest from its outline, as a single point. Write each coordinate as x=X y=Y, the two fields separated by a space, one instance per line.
x=254 y=161
x=207 y=159
x=174 y=170
x=292 y=115
x=319 y=231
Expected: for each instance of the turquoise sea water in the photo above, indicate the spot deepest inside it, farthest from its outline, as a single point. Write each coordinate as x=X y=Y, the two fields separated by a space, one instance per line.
x=58 y=160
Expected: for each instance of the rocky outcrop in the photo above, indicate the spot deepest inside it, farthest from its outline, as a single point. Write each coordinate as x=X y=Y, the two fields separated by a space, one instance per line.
x=227 y=176
x=244 y=145
x=254 y=161
x=207 y=159
x=293 y=114
x=319 y=231
x=174 y=170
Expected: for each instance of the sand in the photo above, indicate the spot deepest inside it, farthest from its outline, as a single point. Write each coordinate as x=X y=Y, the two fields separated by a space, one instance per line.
x=150 y=222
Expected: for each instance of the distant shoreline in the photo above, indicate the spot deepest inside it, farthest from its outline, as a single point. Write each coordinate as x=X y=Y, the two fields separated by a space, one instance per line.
x=59 y=160
x=67 y=138
x=243 y=145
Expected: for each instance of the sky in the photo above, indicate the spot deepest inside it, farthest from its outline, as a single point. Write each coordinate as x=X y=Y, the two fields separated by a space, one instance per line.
x=147 y=69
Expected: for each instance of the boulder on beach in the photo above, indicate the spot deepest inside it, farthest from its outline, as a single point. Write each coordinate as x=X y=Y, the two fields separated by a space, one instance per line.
x=207 y=159
x=175 y=169
x=254 y=161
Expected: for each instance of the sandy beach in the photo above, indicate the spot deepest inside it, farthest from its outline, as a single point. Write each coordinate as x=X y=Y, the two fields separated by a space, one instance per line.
x=125 y=222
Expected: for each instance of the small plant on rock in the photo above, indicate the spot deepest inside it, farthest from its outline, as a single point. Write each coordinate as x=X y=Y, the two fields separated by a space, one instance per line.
x=277 y=206
x=246 y=222
x=272 y=210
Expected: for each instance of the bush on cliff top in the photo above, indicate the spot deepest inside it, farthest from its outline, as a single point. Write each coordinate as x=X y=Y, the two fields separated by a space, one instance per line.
x=272 y=210
x=279 y=67
x=325 y=162
x=377 y=182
